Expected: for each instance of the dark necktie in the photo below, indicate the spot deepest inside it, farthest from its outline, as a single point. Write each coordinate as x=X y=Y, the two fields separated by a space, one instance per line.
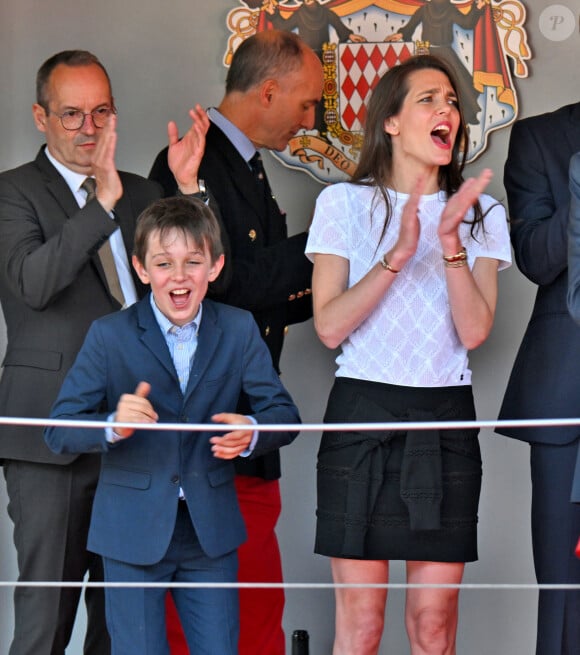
x=260 y=174
x=105 y=251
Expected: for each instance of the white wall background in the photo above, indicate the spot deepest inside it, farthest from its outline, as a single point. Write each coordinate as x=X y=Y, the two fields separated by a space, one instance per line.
x=163 y=57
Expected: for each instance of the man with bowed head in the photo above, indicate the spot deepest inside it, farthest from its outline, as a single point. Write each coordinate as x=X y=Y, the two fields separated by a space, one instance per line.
x=272 y=88
x=66 y=230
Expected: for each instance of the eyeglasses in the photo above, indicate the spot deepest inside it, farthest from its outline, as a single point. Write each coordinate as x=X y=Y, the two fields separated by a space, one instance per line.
x=73 y=119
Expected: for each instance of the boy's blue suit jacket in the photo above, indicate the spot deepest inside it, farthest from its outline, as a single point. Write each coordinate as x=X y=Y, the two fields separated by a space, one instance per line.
x=136 y=500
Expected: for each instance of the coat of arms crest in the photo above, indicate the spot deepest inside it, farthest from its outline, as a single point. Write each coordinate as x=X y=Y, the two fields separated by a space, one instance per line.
x=483 y=41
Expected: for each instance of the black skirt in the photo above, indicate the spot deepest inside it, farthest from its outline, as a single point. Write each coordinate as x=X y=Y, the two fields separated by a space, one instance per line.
x=409 y=495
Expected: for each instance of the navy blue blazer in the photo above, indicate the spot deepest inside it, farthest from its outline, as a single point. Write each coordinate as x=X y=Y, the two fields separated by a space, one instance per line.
x=136 y=499
x=545 y=379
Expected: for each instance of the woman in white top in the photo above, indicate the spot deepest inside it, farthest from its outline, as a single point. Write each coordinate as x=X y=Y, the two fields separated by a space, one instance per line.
x=405 y=257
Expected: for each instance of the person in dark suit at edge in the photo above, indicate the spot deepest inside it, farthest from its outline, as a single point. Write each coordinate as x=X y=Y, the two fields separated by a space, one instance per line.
x=272 y=88
x=57 y=274
x=545 y=378
x=573 y=296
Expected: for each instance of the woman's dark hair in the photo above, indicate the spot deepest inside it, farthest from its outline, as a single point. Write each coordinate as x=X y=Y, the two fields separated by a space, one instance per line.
x=376 y=159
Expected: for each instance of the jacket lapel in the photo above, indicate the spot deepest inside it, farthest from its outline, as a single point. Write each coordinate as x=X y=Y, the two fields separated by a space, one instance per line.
x=56 y=185
x=573 y=131
x=126 y=217
x=152 y=338
x=238 y=172
x=59 y=189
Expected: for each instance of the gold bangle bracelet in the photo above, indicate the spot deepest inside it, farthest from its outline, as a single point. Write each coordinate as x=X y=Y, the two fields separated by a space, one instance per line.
x=385 y=264
x=460 y=256
x=457 y=263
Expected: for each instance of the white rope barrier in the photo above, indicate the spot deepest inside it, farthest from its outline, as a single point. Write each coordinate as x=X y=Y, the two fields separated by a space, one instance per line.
x=302 y=427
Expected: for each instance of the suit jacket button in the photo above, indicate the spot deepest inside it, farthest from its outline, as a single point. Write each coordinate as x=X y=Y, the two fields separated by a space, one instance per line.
x=292 y=297
x=267 y=330
x=252 y=235
x=175 y=479
x=300 y=294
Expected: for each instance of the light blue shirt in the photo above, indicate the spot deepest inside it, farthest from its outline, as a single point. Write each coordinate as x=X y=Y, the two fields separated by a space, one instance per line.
x=181 y=341
x=239 y=140
x=74 y=181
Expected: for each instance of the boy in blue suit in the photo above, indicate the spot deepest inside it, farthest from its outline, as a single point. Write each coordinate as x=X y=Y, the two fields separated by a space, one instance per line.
x=165 y=508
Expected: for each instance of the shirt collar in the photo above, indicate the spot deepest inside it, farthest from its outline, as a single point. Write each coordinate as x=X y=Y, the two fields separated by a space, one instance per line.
x=166 y=326
x=72 y=178
x=239 y=140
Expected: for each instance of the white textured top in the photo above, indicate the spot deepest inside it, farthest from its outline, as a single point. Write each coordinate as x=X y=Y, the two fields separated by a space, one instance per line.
x=409 y=339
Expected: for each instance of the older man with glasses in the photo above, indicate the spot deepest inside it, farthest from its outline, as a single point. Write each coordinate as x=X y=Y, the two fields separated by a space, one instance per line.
x=66 y=227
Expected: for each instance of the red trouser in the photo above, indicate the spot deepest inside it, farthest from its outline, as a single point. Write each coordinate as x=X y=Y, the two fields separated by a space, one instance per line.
x=259 y=561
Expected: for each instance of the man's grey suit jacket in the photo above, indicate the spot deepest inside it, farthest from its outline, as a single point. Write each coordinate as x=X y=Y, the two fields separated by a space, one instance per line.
x=52 y=287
